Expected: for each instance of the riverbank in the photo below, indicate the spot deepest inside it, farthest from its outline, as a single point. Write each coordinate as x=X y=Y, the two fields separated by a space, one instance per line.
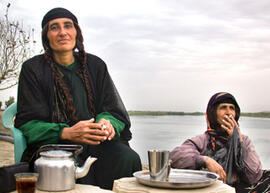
x=161 y=113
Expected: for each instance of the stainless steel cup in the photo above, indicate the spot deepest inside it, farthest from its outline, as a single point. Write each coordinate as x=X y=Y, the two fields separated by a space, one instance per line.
x=158 y=161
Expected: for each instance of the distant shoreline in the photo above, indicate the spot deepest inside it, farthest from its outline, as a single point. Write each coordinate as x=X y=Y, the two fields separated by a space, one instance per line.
x=161 y=113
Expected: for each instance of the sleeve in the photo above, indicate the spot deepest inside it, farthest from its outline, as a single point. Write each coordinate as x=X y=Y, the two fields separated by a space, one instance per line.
x=253 y=168
x=39 y=133
x=190 y=154
x=32 y=101
x=33 y=112
x=117 y=124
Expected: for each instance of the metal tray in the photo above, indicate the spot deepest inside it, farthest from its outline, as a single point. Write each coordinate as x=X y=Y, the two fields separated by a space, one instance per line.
x=179 y=179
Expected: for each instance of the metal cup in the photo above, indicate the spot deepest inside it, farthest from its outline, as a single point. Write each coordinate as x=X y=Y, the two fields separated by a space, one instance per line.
x=159 y=164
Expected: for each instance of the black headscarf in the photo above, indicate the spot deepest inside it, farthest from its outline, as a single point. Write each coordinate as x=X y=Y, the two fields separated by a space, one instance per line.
x=58 y=12
x=215 y=100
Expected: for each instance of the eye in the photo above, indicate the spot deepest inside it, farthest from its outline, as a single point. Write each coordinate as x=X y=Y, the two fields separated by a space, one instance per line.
x=68 y=25
x=223 y=107
x=54 y=27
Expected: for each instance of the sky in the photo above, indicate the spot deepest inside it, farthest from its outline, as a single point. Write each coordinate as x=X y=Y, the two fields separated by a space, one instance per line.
x=170 y=55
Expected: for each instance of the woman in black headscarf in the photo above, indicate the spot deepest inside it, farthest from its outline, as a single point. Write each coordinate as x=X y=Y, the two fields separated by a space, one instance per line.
x=222 y=149
x=67 y=96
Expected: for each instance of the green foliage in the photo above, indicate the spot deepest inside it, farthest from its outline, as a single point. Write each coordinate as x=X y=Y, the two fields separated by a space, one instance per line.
x=258 y=114
x=10 y=101
x=160 y=113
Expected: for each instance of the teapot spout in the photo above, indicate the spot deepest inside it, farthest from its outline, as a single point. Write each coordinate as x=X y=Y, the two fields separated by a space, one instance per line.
x=82 y=171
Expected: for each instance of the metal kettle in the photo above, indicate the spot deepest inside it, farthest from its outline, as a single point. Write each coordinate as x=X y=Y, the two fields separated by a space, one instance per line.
x=57 y=168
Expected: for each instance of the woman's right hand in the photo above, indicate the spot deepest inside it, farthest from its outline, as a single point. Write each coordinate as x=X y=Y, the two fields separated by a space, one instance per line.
x=215 y=167
x=86 y=132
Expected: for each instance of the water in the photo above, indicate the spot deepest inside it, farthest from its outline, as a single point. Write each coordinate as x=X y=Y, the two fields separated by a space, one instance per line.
x=167 y=132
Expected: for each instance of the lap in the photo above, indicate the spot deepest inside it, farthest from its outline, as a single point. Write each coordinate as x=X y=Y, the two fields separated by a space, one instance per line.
x=114 y=160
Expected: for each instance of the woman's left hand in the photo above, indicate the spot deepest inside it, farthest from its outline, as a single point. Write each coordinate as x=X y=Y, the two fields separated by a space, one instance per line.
x=108 y=127
x=229 y=124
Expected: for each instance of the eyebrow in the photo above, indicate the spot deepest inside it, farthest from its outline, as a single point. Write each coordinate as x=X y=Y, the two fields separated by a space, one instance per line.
x=230 y=105
x=57 y=23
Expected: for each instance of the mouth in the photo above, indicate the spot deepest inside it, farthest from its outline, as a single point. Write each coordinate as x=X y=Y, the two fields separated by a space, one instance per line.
x=63 y=40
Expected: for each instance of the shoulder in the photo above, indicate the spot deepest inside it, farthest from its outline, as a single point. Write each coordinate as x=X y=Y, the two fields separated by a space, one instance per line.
x=202 y=137
x=35 y=62
x=94 y=60
x=96 y=65
x=200 y=141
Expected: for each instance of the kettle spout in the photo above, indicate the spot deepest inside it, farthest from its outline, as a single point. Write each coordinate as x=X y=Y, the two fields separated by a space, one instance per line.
x=82 y=171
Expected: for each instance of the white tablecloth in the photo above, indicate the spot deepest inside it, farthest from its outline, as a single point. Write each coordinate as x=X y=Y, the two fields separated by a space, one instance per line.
x=80 y=188
x=130 y=185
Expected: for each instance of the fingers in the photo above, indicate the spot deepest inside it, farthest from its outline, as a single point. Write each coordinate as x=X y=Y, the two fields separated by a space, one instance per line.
x=215 y=167
x=108 y=127
x=112 y=132
x=89 y=132
x=222 y=175
x=229 y=124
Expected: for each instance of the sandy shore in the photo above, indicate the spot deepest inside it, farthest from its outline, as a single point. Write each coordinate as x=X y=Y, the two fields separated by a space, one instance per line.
x=6 y=153
x=6 y=148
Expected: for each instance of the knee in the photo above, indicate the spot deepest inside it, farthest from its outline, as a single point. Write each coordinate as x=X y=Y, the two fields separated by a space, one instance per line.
x=133 y=159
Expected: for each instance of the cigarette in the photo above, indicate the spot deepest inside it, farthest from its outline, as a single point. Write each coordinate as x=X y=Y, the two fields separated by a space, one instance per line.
x=103 y=127
x=230 y=116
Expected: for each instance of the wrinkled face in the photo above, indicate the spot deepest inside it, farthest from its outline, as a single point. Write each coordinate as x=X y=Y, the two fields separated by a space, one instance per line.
x=225 y=109
x=62 y=35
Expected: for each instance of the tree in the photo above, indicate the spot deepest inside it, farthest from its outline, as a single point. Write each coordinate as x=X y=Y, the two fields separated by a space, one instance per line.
x=10 y=101
x=16 y=45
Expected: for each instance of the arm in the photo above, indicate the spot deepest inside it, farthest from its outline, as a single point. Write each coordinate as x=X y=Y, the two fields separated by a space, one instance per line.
x=252 y=165
x=33 y=98
x=253 y=168
x=39 y=133
x=33 y=111
x=190 y=154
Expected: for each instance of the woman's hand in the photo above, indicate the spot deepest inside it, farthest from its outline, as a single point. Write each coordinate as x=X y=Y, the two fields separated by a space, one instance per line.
x=229 y=124
x=85 y=132
x=108 y=127
x=215 y=167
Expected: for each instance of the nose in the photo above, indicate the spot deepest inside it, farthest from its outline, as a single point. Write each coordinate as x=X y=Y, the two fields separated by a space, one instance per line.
x=62 y=31
x=229 y=111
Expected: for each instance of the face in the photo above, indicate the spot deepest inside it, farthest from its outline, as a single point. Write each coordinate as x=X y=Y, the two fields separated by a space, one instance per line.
x=225 y=109
x=62 y=35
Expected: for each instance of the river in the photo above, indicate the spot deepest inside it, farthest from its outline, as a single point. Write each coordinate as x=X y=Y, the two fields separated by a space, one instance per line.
x=167 y=132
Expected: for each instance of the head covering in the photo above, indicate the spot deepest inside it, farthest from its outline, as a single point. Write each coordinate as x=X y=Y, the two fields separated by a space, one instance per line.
x=58 y=12
x=215 y=100
x=211 y=116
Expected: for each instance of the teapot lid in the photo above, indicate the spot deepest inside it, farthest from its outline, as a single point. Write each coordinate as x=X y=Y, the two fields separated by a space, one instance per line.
x=56 y=154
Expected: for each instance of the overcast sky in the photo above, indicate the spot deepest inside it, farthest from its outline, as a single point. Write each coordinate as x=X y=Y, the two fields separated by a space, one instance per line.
x=170 y=54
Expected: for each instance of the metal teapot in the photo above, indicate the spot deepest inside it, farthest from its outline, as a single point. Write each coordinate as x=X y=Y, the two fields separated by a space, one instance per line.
x=57 y=167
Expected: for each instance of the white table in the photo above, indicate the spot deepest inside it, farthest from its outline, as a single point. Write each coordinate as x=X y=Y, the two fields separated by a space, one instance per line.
x=130 y=185
x=80 y=188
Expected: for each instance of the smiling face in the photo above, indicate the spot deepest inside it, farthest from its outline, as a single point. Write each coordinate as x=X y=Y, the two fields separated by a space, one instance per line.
x=62 y=35
x=225 y=109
